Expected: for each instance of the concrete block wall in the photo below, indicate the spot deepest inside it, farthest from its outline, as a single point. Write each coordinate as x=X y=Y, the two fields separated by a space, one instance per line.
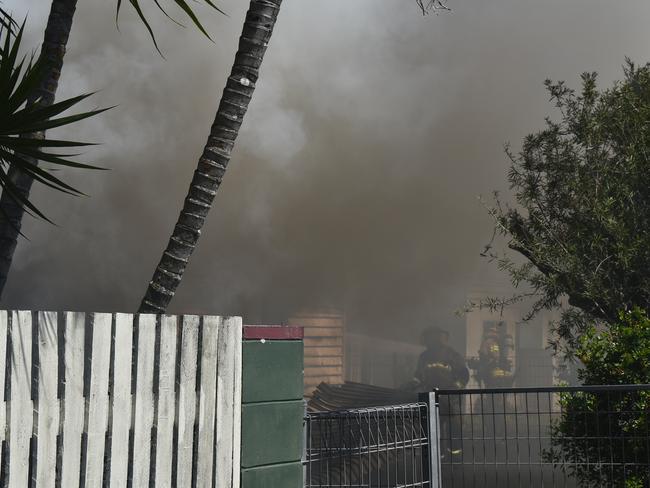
x=272 y=407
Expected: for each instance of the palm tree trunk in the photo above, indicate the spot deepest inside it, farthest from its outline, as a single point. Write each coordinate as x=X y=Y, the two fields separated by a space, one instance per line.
x=55 y=39
x=258 y=27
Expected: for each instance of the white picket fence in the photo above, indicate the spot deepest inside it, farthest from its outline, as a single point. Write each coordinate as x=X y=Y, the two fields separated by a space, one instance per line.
x=117 y=400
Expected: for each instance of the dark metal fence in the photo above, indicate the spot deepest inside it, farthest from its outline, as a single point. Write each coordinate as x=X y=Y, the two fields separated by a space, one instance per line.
x=595 y=436
x=570 y=437
x=379 y=447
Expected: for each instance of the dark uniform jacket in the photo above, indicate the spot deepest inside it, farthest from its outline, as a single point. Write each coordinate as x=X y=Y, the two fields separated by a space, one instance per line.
x=442 y=368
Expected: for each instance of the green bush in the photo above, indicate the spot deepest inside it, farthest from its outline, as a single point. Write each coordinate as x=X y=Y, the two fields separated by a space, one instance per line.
x=601 y=437
x=581 y=221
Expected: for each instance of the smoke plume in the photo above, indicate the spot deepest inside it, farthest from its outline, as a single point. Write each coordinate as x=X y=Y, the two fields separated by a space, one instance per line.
x=355 y=178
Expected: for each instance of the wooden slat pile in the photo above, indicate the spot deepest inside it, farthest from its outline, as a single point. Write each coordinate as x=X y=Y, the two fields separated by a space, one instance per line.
x=119 y=400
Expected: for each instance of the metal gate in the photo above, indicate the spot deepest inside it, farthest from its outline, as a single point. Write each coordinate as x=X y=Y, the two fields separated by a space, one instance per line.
x=378 y=447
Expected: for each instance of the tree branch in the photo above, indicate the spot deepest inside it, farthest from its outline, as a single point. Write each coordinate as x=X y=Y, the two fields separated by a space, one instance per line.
x=432 y=6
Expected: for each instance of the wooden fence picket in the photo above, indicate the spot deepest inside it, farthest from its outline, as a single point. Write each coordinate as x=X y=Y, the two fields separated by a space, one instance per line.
x=21 y=409
x=75 y=379
x=3 y=370
x=207 y=396
x=228 y=402
x=166 y=402
x=144 y=400
x=73 y=403
x=121 y=415
x=187 y=400
x=47 y=404
x=235 y=340
x=98 y=400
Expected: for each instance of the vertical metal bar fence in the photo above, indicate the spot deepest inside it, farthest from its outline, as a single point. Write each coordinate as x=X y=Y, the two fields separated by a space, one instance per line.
x=591 y=436
x=378 y=447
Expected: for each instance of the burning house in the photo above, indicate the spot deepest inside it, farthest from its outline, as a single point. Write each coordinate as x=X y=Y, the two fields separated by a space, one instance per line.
x=501 y=349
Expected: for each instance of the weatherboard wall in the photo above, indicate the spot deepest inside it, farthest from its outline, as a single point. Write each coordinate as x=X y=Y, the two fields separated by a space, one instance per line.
x=324 y=346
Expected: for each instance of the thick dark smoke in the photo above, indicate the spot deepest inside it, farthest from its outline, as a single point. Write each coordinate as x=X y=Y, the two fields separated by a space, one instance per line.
x=355 y=178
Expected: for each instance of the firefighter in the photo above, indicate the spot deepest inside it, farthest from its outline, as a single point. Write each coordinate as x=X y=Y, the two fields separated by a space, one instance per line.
x=494 y=365
x=439 y=366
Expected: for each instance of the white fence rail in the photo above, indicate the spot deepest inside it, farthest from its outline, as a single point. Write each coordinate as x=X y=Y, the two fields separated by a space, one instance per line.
x=119 y=400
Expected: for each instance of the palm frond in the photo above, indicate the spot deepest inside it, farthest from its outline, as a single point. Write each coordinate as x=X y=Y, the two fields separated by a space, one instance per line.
x=182 y=4
x=22 y=124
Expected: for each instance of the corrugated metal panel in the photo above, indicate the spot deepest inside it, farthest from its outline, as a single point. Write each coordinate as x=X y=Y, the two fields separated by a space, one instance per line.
x=356 y=395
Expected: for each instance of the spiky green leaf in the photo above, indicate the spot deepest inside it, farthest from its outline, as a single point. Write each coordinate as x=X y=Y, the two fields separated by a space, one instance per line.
x=24 y=120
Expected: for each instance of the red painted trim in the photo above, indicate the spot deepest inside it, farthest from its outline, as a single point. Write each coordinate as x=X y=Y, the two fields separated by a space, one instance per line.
x=273 y=332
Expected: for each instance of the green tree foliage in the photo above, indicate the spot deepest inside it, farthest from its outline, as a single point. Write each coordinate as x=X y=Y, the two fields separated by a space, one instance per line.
x=582 y=213
x=608 y=426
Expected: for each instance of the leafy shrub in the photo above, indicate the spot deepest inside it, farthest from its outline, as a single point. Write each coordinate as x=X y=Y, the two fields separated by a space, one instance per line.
x=601 y=438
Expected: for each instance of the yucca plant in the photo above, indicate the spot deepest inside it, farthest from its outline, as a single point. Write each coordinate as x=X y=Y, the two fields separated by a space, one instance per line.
x=19 y=77
x=23 y=149
x=26 y=112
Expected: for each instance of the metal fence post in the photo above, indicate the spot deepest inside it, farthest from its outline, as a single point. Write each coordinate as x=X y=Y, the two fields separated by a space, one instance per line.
x=306 y=482
x=433 y=432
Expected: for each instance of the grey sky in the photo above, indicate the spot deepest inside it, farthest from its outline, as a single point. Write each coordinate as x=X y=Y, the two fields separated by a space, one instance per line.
x=355 y=178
